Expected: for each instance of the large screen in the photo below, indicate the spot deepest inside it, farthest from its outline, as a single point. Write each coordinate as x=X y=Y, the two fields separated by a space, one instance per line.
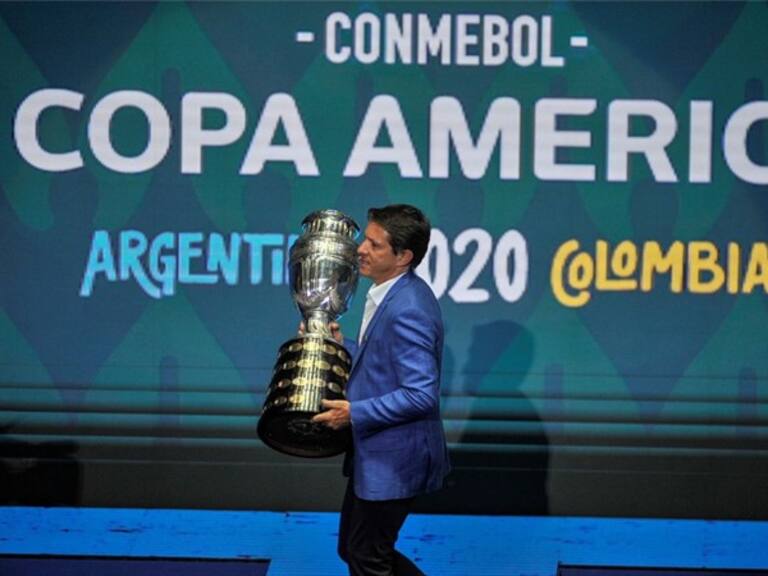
x=595 y=174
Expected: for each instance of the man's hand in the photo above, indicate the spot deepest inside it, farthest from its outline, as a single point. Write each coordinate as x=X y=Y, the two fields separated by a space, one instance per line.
x=336 y=415
x=336 y=332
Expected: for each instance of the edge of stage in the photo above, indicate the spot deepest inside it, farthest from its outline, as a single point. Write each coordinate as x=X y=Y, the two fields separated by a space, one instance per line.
x=298 y=543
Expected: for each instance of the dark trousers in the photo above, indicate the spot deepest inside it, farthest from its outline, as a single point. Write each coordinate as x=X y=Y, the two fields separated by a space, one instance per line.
x=367 y=534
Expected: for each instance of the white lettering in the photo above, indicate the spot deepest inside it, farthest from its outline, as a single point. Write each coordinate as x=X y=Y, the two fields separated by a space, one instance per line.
x=280 y=108
x=383 y=112
x=621 y=144
x=548 y=139
x=525 y=47
x=398 y=45
x=100 y=123
x=333 y=25
x=548 y=59
x=435 y=42
x=495 y=46
x=735 y=142
x=25 y=130
x=368 y=35
x=448 y=124
x=194 y=137
x=700 y=157
x=465 y=39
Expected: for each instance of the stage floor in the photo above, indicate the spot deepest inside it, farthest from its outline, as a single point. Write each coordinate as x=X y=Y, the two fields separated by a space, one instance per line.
x=304 y=543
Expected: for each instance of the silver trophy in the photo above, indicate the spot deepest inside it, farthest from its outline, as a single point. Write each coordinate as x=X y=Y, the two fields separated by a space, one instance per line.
x=323 y=274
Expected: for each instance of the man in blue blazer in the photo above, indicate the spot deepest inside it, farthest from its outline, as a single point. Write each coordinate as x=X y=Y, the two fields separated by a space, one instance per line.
x=393 y=395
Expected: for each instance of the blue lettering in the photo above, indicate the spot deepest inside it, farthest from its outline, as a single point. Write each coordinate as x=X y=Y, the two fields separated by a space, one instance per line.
x=162 y=267
x=257 y=242
x=100 y=261
x=160 y=264
x=219 y=259
x=133 y=244
x=187 y=252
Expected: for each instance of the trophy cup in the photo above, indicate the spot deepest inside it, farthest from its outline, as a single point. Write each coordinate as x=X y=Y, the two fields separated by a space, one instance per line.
x=323 y=274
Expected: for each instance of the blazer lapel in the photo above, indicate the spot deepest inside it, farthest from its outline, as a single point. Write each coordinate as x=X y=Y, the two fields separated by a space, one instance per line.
x=376 y=315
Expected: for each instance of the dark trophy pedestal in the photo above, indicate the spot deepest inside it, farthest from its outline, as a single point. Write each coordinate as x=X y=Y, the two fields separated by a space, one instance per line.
x=309 y=369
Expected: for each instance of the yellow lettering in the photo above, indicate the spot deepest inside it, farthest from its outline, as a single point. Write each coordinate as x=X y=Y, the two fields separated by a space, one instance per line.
x=702 y=258
x=696 y=267
x=580 y=273
x=757 y=268
x=734 y=267
x=623 y=265
x=654 y=260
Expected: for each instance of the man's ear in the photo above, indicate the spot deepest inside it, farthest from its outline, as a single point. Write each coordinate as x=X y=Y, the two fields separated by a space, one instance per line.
x=405 y=258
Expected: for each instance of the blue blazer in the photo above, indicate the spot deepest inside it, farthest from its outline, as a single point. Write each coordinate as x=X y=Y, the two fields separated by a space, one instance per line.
x=399 y=447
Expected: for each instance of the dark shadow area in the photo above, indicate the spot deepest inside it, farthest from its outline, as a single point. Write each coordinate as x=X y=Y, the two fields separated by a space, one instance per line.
x=499 y=447
x=38 y=473
x=45 y=565
x=575 y=570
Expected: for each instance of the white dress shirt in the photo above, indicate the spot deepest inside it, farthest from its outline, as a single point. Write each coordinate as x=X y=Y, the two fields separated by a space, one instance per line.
x=376 y=294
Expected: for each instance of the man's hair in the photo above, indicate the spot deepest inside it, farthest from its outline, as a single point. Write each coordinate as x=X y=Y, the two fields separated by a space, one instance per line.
x=407 y=227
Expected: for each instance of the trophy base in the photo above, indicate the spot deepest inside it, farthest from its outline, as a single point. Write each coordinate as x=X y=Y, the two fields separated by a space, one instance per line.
x=295 y=434
x=309 y=369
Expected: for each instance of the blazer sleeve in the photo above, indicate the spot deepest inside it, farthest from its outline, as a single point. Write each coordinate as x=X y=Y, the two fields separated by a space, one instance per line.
x=415 y=363
x=350 y=345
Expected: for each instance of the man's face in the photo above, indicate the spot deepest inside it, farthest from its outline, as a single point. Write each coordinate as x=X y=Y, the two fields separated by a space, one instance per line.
x=377 y=259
